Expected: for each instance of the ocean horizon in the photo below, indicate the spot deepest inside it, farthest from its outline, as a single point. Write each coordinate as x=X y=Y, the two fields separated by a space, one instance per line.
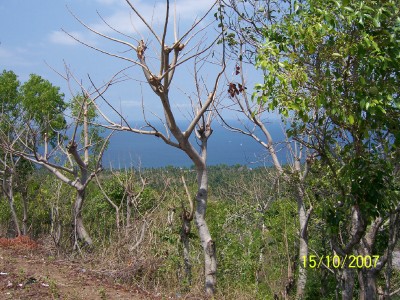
x=127 y=149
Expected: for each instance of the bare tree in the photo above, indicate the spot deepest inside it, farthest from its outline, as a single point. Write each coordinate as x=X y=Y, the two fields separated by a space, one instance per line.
x=56 y=226
x=246 y=22
x=9 y=167
x=187 y=217
x=253 y=122
x=34 y=104
x=168 y=58
x=76 y=170
x=133 y=184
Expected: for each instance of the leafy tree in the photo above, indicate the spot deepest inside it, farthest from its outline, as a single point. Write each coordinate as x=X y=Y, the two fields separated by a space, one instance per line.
x=9 y=85
x=246 y=22
x=36 y=134
x=9 y=97
x=36 y=103
x=43 y=104
x=334 y=67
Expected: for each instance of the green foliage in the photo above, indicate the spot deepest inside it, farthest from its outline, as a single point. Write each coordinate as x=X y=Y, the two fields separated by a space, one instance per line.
x=9 y=100
x=5 y=218
x=254 y=228
x=333 y=68
x=77 y=109
x=37 y=106
x=49 y=201
x=78 y=105
x=9 y=85
x=316 y=59
x=36 y=102
x=44 y=104
x=113 y=189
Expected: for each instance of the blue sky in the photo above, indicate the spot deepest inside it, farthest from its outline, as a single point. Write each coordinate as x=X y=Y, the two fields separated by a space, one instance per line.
x=32 y=41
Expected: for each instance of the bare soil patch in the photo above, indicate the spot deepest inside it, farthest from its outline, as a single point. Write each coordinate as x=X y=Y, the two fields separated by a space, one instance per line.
x=28 y=272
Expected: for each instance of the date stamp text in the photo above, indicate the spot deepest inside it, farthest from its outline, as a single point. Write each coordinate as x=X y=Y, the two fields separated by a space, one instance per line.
x=340 y=262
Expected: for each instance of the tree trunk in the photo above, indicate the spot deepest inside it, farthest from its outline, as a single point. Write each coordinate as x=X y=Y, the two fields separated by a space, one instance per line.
x=185 y=231
x=347 y=283
x=210 y=260
x=367 y=276
x=303 y=243
x=14 y=216
x=367 y=281
x=8 y=188
x=25 y=212
x=128 y=212
x=80 y=232
x=55 y=229
x=393 y=236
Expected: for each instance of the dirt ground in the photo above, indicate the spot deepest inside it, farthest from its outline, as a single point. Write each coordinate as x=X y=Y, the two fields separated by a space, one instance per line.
x=27 y=272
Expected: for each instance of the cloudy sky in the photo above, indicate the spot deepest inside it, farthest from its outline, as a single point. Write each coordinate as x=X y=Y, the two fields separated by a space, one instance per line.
x=32 y=40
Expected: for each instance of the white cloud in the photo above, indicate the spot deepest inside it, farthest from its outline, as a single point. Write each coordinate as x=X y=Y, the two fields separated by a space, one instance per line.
x=131 y=103
x=61 y=38
x=126 y=21
x=183 y=105
x=14 y=58
x=120 y=20
x=4 y=53
x=190 y=9
x=110 y=2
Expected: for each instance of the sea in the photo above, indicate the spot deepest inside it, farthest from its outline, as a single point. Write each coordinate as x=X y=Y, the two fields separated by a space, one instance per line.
x=128 y=149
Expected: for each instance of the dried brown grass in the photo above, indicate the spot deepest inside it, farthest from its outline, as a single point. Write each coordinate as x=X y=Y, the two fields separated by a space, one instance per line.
x=21 y=242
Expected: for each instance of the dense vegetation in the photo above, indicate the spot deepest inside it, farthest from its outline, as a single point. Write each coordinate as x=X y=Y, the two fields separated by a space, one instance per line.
x=254 y=225
x=251 y=216
x=324 y=225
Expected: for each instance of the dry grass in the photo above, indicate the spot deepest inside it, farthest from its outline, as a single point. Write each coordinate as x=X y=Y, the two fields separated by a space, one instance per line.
x=20 y=242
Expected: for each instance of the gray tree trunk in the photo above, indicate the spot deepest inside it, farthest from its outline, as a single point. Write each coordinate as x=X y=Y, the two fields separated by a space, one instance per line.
x=14 y=215
x=25 y=216
x=210 y=259
x=357 y=232
x=303 y=243
x=367 y=276
x=128 y=212
x=393 y=236
x=8 y=190
x=55 y=229
x=368 y=289
x=79 y=229
x=185 y=231
x=347 y=284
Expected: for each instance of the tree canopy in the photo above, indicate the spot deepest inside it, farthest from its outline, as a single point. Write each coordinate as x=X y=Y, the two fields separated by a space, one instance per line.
x=36 y=103
x=330 y=69
x=333 y=67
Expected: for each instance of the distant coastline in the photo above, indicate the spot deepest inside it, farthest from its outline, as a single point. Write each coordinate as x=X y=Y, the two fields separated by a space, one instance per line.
x=224 y=147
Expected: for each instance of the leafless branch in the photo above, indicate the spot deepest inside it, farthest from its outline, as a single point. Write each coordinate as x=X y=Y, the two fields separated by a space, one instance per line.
x=144 y=21
x=99 y=33
x=191 y=206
